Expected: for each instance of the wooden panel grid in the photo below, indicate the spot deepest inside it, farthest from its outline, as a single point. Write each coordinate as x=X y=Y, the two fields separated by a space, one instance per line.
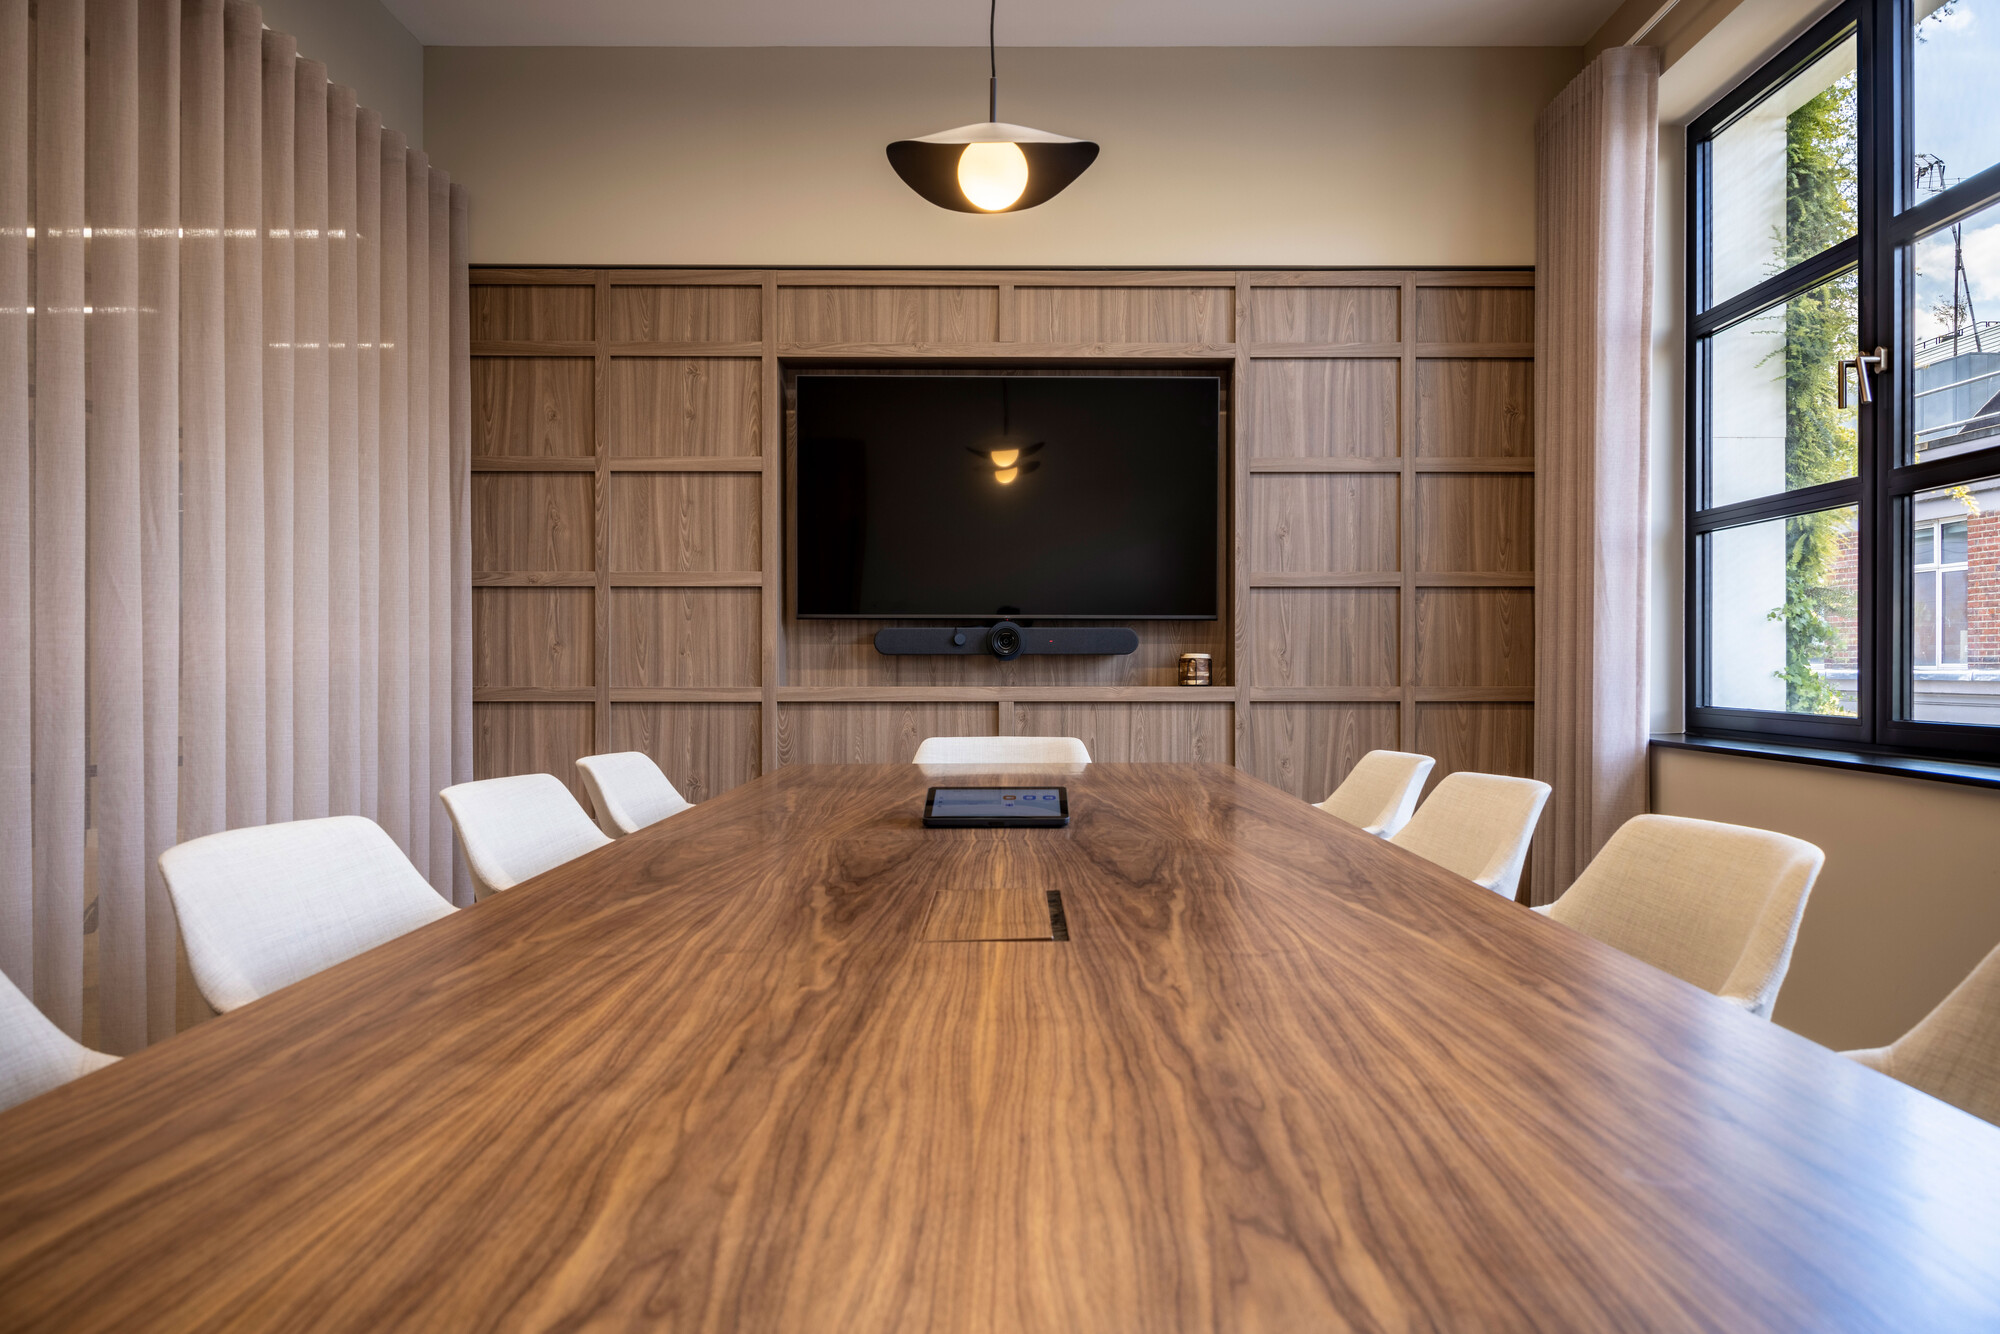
x=628 y=517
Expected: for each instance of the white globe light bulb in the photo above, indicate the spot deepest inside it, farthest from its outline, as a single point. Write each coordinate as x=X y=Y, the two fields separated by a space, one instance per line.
x=992 y=175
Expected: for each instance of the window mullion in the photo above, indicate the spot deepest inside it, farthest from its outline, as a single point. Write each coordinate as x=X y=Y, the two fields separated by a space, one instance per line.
x=1883 y=131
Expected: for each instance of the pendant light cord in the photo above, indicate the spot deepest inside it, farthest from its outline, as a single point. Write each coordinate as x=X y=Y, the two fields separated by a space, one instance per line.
x=992 y=64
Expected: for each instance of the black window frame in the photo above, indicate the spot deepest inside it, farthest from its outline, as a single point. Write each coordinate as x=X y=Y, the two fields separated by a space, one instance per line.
x=1888 y=223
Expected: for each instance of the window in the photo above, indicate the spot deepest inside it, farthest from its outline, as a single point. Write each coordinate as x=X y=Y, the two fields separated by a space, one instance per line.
x=1844 y=387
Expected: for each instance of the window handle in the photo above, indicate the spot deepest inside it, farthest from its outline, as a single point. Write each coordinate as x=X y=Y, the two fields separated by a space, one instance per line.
x=1879 y=359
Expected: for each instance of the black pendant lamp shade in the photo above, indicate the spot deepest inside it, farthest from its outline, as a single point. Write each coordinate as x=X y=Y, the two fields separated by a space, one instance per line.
x=937 y=167
x=991 y=167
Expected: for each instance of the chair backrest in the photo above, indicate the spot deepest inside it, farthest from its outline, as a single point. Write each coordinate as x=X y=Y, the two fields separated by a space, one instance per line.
x=35 y=1055
x=513 y=829
x=1954 y=1051
x=1380 y=791
x=1478 y=825
x=998 y=750
x=628 y=791
x=1714 y=904
x=261 y=908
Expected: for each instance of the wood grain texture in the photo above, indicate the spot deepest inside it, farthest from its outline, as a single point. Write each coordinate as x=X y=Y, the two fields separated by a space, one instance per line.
x=703 y=749
x=1283 y=1076
x=1323 y=522
x=1486 y=738
x=533 y=738
x=1475 y=522
x=1475 y=637
x=1475 y=409
x=1321 y=408
x=1324 y=315
x=685 y=521
x=1307 y=748
x=1125 y=314
x=1475 y=315
x=1119 y=733
x=530 y=522
x=685 y=407
x=887 y=733
x=532 y=313
x=1325 y=636
x=686 y=637
x=685 y=314
x=532 y=407
x=1000 y=912
x=537 y=637
x=888 y=314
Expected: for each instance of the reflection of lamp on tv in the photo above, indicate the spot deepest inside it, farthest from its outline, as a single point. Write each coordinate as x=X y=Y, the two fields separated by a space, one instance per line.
x=1007 y=463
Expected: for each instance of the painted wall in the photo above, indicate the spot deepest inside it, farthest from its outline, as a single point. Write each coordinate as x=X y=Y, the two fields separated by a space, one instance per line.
x=364 y=47
x=1238 y=156
x=1908 y=903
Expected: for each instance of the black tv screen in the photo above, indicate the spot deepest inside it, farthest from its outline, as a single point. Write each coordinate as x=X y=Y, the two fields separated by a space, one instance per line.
x=1046 y=497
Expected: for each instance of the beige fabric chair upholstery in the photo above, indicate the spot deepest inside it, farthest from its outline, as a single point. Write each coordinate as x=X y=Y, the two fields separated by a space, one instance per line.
x=1478 y=825
x=513 y=829
x=261 y=908
x=35 y=1055
x=1717 y=905
x=1380 y=791
x=1020 y=751
x=628 y=791
x=1954 y=1051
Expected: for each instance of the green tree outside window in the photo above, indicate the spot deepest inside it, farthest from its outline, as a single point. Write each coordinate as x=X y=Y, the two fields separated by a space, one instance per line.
x=1820 y=440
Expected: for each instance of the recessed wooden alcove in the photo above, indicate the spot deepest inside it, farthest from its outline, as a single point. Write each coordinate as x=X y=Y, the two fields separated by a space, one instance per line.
x=630 y=458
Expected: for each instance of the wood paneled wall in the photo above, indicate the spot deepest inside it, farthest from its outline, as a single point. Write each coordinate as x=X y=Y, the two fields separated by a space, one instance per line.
x=630 y=442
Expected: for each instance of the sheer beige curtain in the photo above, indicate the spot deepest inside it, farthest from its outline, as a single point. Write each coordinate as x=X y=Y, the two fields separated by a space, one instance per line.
x=1595 y=153
x=234 y=523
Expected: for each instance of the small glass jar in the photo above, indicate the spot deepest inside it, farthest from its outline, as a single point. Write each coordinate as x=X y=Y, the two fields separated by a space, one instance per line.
x=1196 y=669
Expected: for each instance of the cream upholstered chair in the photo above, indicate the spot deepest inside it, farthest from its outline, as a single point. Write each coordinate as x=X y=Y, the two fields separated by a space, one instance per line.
x=1478 y=825
x=1380 y=791
x=628 y=791
x=513 y=829
x=35 y=1055
x=261 y=908
x=1954 y=1051
x=999 y=750
x=1714 y=904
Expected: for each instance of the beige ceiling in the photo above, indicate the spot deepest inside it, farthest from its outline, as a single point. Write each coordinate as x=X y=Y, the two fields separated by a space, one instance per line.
x=1021 y=22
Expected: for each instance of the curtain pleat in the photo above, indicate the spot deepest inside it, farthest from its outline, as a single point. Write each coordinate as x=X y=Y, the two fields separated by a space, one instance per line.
x=393 y=643
x=17 y=704
x=343 y=708
x=159 y=479
x=280 y=300
x=368 y=453
x=114 y=596
x=59 y=518
x=437 y=525
x=417 y=478
x=243 y=350
x=1596 y=147
x=460 y=465
x=311 y=472
x=234 y=479
x=204 y=585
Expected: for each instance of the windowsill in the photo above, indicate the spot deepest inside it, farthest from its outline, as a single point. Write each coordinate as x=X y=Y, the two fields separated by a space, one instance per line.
x=1840 y=757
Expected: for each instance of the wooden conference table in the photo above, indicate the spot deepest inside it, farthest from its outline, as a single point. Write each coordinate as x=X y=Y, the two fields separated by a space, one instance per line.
x=741 y=1071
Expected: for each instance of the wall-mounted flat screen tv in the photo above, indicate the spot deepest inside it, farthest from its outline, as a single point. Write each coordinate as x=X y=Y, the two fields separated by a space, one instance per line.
x=1036 y=496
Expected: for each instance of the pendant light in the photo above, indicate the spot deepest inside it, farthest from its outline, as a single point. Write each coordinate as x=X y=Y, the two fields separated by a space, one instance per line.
x=991 y=167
